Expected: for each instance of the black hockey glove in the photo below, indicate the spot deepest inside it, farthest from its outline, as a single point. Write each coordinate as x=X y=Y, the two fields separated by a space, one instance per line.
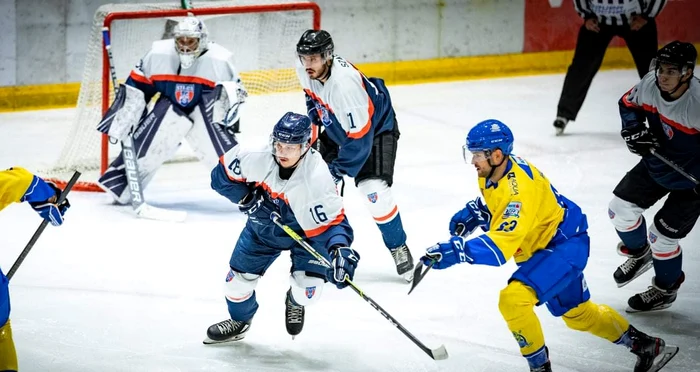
x=258 y=207
x=344 y=261
x=639 y=140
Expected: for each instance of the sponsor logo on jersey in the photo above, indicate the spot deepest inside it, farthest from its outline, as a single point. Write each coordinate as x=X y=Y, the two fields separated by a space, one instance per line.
x=512 y=210
x=513 y=183
x=310 y=292
x=611 y=214
x=230 y=276
x=184 y=93
x=372 y=197
x=667 y=130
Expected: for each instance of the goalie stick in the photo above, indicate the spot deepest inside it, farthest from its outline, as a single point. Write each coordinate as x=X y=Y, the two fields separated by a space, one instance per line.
x=439 y=353
x=41 y=228
x=131 y=167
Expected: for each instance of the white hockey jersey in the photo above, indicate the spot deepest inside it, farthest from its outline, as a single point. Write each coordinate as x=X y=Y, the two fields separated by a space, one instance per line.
x=159 y=71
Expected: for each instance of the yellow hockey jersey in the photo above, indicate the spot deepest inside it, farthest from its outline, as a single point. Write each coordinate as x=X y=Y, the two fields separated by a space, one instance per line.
x=526 y=212
x=14 y=183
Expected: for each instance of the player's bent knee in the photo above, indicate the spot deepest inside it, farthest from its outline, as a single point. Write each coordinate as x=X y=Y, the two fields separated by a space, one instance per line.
x=379 y=199
x=663 y=247
x=516 y=299
x=624 y=215
x=306 y=290
x=580 y=317
x=240 y=286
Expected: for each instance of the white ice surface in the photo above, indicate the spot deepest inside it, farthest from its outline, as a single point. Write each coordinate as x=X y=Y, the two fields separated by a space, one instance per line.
x=108 y=292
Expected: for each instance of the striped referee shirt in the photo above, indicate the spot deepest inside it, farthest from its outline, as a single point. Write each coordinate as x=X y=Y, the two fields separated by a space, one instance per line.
x=618 y=12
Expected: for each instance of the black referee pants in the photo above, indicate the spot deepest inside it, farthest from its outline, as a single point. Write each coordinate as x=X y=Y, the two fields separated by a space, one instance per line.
x=588 y=56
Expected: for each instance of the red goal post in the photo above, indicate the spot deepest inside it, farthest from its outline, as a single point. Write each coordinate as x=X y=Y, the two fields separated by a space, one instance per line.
x=258 y=28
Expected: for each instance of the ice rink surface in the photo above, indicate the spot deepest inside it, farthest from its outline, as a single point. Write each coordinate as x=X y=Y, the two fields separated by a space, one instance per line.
x=109 y=292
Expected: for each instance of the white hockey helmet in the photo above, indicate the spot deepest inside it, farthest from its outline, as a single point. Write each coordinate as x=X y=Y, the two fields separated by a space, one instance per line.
x=190 y=39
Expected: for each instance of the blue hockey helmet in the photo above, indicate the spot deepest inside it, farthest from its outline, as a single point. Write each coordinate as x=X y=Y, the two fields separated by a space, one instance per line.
x=292 y=129
x=487 y=136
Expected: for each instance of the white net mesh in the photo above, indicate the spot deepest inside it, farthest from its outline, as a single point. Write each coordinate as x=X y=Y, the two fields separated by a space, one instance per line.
x=262 y=43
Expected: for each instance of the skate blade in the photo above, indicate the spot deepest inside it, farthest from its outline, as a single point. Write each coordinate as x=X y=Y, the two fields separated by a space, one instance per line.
x=559 y=131
x=209 y=341
x=632 y=310
x=669 y=352
x=641 y=271
x=408 y=276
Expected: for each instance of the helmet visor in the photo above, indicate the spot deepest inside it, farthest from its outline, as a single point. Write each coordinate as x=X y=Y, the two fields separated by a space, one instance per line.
x=474 y=156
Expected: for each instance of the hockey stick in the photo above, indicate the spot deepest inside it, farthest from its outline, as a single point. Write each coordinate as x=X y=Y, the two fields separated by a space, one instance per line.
x=675 y=167
x=131 y=166
x=418 y=275
x=438 y=353
x=41 y=228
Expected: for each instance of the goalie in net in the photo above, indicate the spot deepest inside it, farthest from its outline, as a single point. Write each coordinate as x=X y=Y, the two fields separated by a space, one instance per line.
x=201 y=94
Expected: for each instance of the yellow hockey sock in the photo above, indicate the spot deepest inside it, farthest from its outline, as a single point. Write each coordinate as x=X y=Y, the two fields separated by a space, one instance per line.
x=600 y=320
x=8 y=355
x=517 y=303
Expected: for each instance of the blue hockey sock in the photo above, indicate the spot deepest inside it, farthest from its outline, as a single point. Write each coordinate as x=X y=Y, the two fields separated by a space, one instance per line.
x=625 y=340
x=668 y=271
x=393 y=233
x=538 y=358
x=635 y=239
x=243 y=311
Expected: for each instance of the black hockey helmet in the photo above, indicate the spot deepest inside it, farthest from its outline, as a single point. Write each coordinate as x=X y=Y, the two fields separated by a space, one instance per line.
x=677 y=53
x=315 y=42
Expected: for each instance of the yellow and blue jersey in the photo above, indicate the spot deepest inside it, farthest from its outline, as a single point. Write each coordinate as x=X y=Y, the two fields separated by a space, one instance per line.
x=14 y=184
x=527 y=214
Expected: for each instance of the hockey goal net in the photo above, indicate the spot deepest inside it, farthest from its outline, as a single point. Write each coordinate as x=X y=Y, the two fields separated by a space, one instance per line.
x=261 y=34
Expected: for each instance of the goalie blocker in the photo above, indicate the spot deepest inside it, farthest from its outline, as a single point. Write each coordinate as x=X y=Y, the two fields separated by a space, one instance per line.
x=157 y=134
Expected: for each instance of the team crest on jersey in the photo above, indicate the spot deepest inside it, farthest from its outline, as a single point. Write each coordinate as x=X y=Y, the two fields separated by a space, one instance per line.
x=310 y=292
x=323 y=114
x=512 y=210
x=667 y=130
x=184 y=93
x=372 y=197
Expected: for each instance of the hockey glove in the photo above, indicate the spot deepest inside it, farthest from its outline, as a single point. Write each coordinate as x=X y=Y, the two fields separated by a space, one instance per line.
x=258 y=207
x=42 y=196
x=446 y=254
x=639 y=140
x=344 y=262
x=336 y=173
x=473 y=215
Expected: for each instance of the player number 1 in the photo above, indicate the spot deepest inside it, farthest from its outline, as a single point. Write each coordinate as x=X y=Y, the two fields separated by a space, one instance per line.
x=352 y=122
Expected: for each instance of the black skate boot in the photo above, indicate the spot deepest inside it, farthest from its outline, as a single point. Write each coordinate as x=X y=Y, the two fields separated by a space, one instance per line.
x=404 y=262
x=652 y=352
x=636 y=264
x=654 y=298
x=226 y=331
x=293 y=316
x=560 y=124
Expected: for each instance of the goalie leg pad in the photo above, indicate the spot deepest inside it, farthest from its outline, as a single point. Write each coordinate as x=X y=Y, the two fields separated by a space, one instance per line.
x=152 y=146
x=306 y=289
x=124 y=114
x=208 y=140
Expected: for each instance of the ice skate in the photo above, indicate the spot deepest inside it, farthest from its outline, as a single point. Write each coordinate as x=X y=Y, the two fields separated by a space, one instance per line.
x=404 y=262
x=652 y=352
x=560 y=124
x=293 y=316
x=226 y=331
x=654 y=298
x=636 y=264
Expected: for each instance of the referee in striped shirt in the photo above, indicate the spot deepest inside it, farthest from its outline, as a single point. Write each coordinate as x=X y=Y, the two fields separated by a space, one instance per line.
x=632 y=20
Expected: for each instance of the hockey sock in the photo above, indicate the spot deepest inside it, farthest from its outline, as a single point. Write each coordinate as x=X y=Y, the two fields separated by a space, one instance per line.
x=516 y=303
x=600 y=320
x=537 y=359
x=668 y=271
x=636 y=237
x=393 y=233
x=8 y=355
x=243 y=311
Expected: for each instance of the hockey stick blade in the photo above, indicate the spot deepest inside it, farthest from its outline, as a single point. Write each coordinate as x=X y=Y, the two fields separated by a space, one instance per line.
x=669 y=352
x=418 y=276
x=159 y=214
x=439 y=353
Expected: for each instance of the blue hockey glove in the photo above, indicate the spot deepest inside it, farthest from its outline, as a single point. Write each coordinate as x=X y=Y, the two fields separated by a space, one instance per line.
x=42 y=196
x=475 y=214
x=639 y=140
x=344 y=261
x=336 y=173
x=446 y=254
x=258 y=207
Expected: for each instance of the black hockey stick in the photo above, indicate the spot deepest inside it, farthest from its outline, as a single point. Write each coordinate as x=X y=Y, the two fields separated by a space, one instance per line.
x=438 y=353
x=130 y=156
x=41 y=228
x=675 y=166
x=419 y=273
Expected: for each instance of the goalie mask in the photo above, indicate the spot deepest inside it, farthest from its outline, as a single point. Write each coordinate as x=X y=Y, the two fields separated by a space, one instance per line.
x=190 y=40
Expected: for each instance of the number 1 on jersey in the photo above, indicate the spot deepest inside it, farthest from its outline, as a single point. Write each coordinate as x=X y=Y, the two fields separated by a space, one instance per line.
x=352 y=121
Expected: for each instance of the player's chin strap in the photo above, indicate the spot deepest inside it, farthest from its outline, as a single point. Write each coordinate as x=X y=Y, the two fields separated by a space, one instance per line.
x=438 y=353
